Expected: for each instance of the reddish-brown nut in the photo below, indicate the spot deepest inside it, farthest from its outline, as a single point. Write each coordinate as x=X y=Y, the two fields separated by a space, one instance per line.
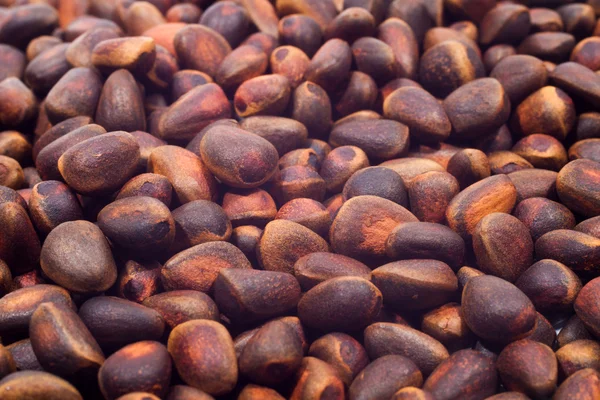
x=342 y=352
x=375 y=383
x=359 y=94
x=577 y=185
x=57 y=333
x=439 y=185
x=363 y=224
x=339 y=165
x=384 y=338
x=24 y=356
x=467 y=28
x=376 y=59
x=13 y=60
x=465 y=374
x=183 y=12
x=262 y=95
x=300 y=157
x=11 y=173
x=244 y=63
x=575 y=249
x=255 y=392
x=413 y=393
x=545 y=20
x=75 y=94
x=25 y=22
x=376 y=181
x=447 y=325
x=438 y=35
x=496 y=310
x=249 y=207
x=284 y=242
x=505 y=162
x=415 y=284
x=528 y=367
x=352 y=23
x=201 y=48
x=7 y=363
x=290 y=62
x=198 y=222
x=229 y=19
x=315 y=268
x=19 y=243
x=179 y=306
x=534 y=183
x=306 y=212
x=578 y=355
x=311 y=106
x=584 y=384
x=37 y=384
x=34 y=48
x=505 y=23
x=185 y=80
x=285 y=134
x=573 y=330
x=136 y=54
x=302 y=31
x=77 y=256
x=425 y=240
x=340 y=304
x=19 y=103
x=587 y=148
x=469 y=166
x=120 y=106
x=51 y=203
x=138 y=280
x=47 y=68
x=317 y=379
x=590 y=227
x=542 y=151
x=203 y=354
x=495 y=54
x=330 y=66
x=541 y=216
x=493 y=194
x=579 y=19
x=403 y=40
x=150 y=185
x=577 y=80
x=295 y=182
x=15 y=145
x=262 y=14
x=197 y=268
x=587 y=53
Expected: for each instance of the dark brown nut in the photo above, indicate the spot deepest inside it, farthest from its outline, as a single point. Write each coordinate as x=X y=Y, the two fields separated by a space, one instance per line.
x=577 y=185
x=263 y=15
x=573 y=330
x=383 y=338
x=359 y=94
x=584 y=384
x=185 y=80
x=204 y=356
x=197 y=222
x=534 y=183
x=19 y=103
x=59 y=130
x=587 y=54
x=548 y=46
x=138 y=396
x=306 y=212
x=503 y=246
x=164 y=34
x=242 y=64
x=136 y=54
x=576 y=250
x=8 y=195
x=587 y=149
x=399 y=35
x=363 y=224
x=23 y=355
x=138 y=224
x=373 y=57
x=543 y=331
x=318 y=267
x=541 y=216
x=578 y=80
x=578 y=355
x=37 y=384
x=505 y=162
x=412 y=393
x=466 y=9
x=120 y=106
x=11 y=173
x=79 y=52
x=262 y=95
x=493 y=319
x=77 y=256
x=139 y=367
x=228 y=19
x=246 y=296
x=447 y=325
x=190 y=178
x=419 y=15
x=579 y=19
x=47 y=68
x=32 y=177
x=100 y=165
x=47 y=159
x=467 y=28
x=179 y=306
x=322 y=12
x=340 y=164
x=588 y=126
x=469 y=166
x=19 y=243
x=138 y=280
x=469 y=116
x=520 y=76
x=252 y=162
x=351 y=24
x=376 y=181
x=57 y=333
x=272 y=354
x=28 y=279
x=317 y=379
x=342 y=352
x=197 y=267
x=15 y=145
x=586 y=306
x=545 y=20
x=438 y=35
x=75 y=94
x=183 y=392
x=424 y=240
x=246 y=238
x=447 y=66
x=17 y=307
x=330 y=66
x=161 y=74
x=495 y=54
x=550 y=286
x=84 y=23
x=23 y=23
x=300 y=157
x=415 y=284
x=290 y=62
x=528 y=367
x=6 y=281
x=310 y=105
x=499 y=140
x=542 y=151
x=319 y=146
x=340 y=304
x=285 y=134
x=201 y=48
x=13 y=62
x=493 y=194
x=249 y=207
x=590 y=226
x=301 y=31
x=7 y=363
x=375 y=383
x=505 y=23
x=420 y=111
x=51 y=203
x=386 y=140
x=35 y=47
x=465 y=374
x=284 y=242
x=434 y=184
x=296 y=182
x=25 y=193
x=150 y=185
x=464 y=274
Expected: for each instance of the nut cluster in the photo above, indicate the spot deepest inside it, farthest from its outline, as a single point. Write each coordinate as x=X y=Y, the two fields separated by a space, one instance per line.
x=299 y=199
